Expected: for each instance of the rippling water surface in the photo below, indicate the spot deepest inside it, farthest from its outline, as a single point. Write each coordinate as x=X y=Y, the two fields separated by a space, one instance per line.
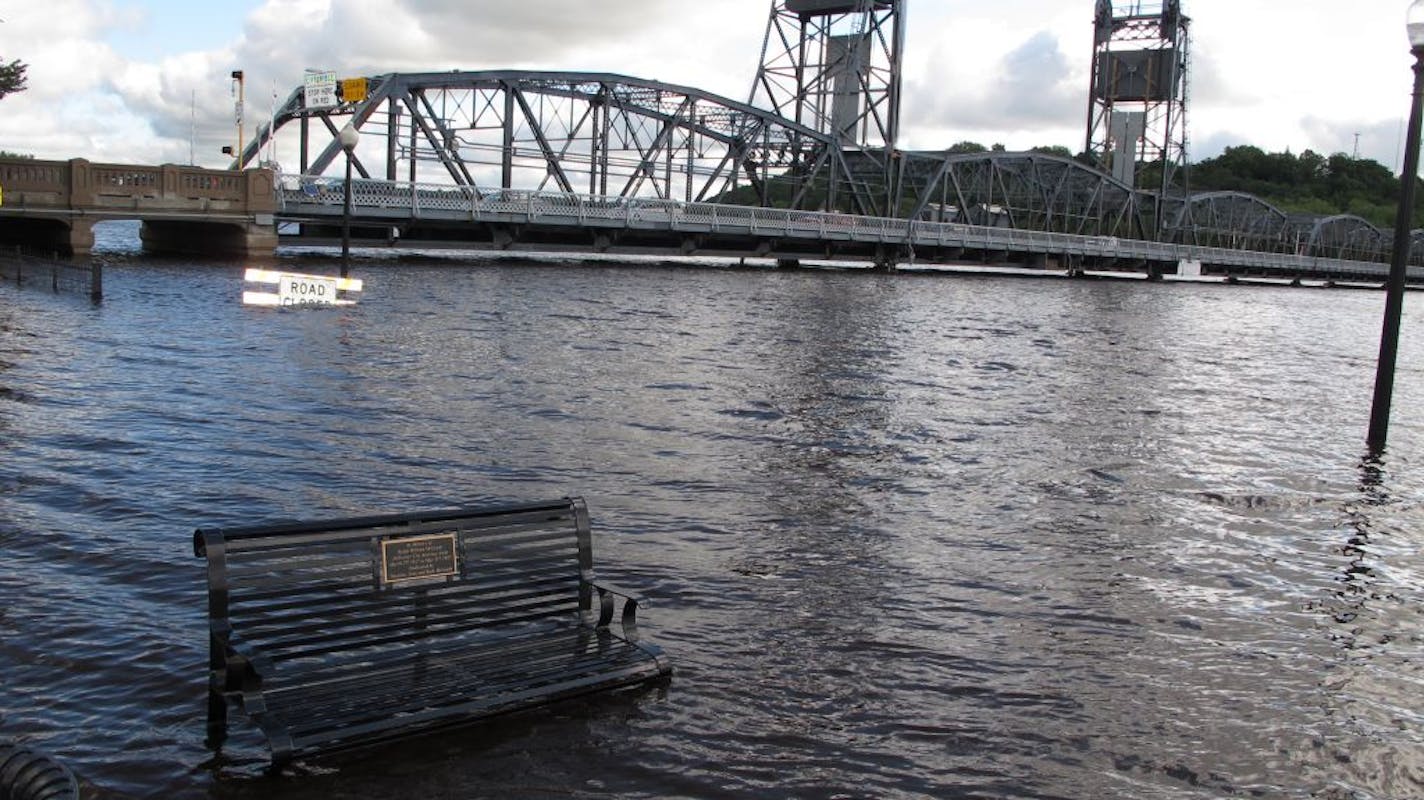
x=902 y=536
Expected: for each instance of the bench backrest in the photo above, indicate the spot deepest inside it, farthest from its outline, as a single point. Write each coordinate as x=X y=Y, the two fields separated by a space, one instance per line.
x=311 y=590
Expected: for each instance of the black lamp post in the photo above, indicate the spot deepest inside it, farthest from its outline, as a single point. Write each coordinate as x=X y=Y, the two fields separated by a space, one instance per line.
x=1399 y=257
x=349 y=137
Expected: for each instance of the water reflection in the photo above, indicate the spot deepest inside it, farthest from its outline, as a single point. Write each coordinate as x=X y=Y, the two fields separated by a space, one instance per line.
x=1355 y=591
x=1379 y=665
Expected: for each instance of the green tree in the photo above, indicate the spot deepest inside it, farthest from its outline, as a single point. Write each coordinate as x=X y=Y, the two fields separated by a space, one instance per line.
x=1309 y=183
x=12 y=77
x=966 y=147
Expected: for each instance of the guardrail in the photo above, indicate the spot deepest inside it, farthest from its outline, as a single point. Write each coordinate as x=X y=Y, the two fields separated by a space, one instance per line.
x=392 y=201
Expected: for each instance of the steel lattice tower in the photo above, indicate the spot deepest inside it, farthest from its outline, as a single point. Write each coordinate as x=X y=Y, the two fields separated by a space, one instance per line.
x=1137 y=103
x=834 y=66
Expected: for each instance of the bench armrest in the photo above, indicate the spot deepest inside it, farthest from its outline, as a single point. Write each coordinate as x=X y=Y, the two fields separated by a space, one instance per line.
x=606 y=607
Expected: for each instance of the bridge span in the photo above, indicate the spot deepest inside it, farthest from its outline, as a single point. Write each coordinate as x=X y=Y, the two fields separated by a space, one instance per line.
x=436 y=216
x=53 y=206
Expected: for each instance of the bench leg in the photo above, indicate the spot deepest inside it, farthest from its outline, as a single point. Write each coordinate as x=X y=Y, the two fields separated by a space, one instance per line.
x=217 y=704
x=217 y=718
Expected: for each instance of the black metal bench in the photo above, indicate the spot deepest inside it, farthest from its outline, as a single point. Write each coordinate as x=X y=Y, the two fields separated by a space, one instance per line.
x=341 y=633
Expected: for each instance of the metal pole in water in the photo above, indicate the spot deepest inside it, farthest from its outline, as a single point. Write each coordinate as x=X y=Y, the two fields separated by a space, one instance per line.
x=1399 y=258
x=346 y=222
x=349 y=138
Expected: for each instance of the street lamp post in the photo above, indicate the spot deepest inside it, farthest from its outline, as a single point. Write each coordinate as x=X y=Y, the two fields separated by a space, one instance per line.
x=349 y=137
x=1399 y=257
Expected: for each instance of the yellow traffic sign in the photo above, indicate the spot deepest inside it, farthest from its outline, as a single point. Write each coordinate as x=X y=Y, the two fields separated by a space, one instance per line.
x=353 y=90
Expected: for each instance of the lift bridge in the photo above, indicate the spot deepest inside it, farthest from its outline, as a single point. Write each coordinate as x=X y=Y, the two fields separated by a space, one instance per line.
x=806 y=168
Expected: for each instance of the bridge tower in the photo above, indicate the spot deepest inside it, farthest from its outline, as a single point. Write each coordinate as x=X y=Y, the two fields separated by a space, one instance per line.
x=1137 y=103
x=834 y=66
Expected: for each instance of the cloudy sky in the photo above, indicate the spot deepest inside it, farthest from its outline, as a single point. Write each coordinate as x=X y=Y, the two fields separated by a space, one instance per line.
x=147 y=81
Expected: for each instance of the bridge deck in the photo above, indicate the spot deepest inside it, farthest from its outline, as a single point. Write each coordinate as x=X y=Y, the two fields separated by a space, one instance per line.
x=409 y=214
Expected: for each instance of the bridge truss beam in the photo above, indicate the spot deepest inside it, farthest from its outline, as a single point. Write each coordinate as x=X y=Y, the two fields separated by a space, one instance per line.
x=579 y=132
x=1024 y=191
x=1227 y=219
x=1343 y=236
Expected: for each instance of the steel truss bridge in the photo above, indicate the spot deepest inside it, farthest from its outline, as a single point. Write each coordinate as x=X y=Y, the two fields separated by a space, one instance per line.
x=602 y=134
x=429 y=216
x=603 y=162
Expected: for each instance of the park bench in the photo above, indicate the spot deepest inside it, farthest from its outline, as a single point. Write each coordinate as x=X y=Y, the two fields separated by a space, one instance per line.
x=340 y=633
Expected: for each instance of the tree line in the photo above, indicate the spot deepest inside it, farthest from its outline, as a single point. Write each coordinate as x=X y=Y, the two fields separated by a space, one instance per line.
x=1309 y=183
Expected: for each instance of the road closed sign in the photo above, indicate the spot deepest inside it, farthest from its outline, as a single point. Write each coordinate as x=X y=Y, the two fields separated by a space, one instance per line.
x=305 y=290
x=296 y=290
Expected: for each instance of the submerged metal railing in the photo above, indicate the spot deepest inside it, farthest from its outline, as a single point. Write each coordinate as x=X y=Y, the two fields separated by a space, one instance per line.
x=25 y=268
x=396 y=201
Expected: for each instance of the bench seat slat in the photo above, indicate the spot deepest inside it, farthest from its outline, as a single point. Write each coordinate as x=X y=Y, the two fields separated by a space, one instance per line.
x=362 y=573
x=361 y=701
x=377 y=606
x=362 y=601
x=403 y=635
x=309 y=668
x=366 y=635
x=477 y=662
x=359 y=595
x=350 y=624
x=473 y=707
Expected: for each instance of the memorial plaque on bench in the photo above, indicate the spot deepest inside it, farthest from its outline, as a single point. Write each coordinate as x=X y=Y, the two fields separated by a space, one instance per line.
x=416 y=559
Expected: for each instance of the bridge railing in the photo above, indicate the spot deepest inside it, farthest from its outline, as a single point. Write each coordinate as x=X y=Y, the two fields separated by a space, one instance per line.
x=398 y=201
x=80 y=185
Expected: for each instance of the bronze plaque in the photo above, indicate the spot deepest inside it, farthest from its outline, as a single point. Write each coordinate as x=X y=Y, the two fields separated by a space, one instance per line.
x=418 y=558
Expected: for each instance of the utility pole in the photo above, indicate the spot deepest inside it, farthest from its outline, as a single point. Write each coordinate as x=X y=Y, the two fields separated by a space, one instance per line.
x=240 y=88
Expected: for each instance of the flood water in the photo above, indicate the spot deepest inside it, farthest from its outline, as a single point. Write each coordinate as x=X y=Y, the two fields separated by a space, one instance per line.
x=902 y=536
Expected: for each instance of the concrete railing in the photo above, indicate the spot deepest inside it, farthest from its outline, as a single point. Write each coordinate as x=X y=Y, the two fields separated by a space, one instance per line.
x=79 y=185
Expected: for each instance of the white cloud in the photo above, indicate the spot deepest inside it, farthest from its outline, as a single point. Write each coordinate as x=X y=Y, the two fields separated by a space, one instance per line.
x=1032 y=90
x=1305 y=76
